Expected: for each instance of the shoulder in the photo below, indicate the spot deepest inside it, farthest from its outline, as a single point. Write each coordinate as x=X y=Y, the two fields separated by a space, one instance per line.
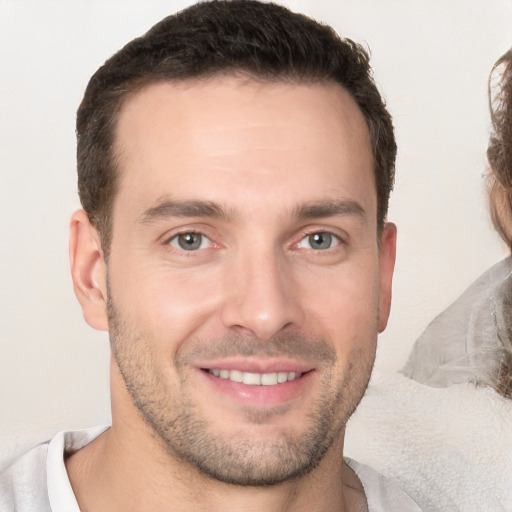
x=463 y=343
x=381 y=493
x=38 y=481
x=23 y=484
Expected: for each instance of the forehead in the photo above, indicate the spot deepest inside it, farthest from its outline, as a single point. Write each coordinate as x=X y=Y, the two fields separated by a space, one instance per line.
x=228 y=139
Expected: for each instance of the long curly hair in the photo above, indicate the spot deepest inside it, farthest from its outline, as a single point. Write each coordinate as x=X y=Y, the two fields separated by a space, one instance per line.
x=499 y=152
x=499 y=155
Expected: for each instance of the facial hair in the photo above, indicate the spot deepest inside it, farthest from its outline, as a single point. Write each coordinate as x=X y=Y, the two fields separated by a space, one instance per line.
x=240 y=457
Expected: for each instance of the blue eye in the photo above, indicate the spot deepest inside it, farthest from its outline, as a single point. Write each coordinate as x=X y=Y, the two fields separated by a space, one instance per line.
x=320 y=241
x=190 y=241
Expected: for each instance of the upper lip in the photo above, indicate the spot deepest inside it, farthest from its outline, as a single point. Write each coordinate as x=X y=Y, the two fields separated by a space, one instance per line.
x=256 y=365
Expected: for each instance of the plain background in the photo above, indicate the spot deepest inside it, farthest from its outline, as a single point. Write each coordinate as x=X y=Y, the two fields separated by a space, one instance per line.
x=431 y=61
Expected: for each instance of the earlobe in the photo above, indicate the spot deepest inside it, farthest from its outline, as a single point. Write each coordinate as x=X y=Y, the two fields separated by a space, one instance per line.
x=88 y=270
x=387 y=266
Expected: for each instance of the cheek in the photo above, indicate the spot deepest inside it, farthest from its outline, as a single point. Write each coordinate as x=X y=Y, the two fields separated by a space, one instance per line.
x=166 y=302
x=345 y=298
x=346 y=314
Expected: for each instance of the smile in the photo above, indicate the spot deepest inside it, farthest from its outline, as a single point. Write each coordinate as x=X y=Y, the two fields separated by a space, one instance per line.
x=256 y=379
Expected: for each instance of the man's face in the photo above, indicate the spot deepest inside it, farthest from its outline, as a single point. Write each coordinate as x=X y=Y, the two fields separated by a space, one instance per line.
x=246 y=286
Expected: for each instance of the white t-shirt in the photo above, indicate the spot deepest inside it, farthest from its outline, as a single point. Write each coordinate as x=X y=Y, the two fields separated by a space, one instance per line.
x=38 y=481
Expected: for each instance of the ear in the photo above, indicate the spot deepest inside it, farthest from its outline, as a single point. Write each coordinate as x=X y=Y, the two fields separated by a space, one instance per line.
x=88 y=270
x=387 y=265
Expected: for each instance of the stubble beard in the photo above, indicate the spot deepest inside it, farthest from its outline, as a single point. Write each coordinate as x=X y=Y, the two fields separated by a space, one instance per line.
x=237 y=458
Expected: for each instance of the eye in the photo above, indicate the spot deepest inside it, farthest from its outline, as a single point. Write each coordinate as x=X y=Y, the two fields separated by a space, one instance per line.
x=190 y=241
x=320 y=241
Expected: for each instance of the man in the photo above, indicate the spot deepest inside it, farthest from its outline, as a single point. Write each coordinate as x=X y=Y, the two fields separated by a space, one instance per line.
x=234 y=166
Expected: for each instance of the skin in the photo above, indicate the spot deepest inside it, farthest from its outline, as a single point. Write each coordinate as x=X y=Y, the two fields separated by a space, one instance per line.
x=280 y=163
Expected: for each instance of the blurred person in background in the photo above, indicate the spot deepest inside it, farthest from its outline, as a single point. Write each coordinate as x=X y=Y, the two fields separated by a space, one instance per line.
x=444 y=430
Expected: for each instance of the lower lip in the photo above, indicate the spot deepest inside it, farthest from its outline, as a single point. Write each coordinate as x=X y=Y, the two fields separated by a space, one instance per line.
x=260 y=396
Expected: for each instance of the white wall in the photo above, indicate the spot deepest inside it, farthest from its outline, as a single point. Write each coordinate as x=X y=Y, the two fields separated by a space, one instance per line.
x=431 y=61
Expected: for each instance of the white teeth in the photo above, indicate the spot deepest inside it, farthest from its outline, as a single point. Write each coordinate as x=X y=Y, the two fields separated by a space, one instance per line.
x=269 y=379
x=236 y=376
x=256 y=379
x=282 y=377
x=252 y=379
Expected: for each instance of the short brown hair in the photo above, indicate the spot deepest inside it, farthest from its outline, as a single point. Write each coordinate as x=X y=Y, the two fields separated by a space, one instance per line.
x=264 y=40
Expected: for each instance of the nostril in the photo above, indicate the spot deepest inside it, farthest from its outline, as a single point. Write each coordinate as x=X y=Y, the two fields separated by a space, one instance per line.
x=243 y=331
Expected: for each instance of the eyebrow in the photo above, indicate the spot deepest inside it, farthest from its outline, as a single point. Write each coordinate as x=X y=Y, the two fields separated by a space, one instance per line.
x=170 y=208
x=330 y=208
x=311 y=210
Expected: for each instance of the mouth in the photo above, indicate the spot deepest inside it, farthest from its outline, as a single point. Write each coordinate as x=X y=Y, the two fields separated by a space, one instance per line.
x=255 y=379
x=260 y=383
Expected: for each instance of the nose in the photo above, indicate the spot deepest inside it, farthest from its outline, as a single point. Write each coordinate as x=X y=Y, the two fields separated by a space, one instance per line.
x=262 y=298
